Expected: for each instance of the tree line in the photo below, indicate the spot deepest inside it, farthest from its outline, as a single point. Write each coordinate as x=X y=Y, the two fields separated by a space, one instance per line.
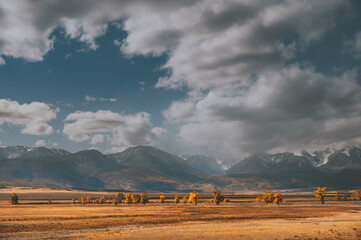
x=194 y=197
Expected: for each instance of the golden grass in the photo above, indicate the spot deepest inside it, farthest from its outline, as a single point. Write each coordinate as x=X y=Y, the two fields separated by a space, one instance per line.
x=177 y=221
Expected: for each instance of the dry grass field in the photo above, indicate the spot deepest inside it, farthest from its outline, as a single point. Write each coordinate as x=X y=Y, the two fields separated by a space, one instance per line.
x=300 y=218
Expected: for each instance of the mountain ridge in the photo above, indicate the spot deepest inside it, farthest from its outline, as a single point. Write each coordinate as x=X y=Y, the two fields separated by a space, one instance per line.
x=145 y=168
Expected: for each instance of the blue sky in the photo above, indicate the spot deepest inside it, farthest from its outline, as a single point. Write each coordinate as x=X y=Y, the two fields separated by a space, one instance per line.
x=219 y=78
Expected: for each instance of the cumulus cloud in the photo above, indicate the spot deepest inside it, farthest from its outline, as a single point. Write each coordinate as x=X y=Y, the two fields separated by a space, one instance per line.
x=27 y=26
x=293 y=108
x=116 y=129
x=33 y=118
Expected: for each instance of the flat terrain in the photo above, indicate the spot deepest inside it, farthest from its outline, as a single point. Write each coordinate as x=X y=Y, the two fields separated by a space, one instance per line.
x=300 y=218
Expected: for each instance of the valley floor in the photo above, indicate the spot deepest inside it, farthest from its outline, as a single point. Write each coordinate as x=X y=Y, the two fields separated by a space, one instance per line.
x=291 y=220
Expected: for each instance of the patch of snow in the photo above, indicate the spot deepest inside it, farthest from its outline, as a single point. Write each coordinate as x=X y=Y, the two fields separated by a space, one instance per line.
x=13 y=155
x=346 y=151
x=326 y=154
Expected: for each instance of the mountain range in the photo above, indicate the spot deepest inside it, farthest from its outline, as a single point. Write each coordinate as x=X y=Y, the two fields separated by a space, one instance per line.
x=148 y=168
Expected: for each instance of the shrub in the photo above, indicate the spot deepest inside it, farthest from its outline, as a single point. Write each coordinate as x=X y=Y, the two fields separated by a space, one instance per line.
x=14 y=199
x=161 y=199
x=185 y=199
x=320 y=194
x=226 y=200
x=217 y=197
x=73 y=201
x=194 y=197
x=50 y=201
x=176 y=199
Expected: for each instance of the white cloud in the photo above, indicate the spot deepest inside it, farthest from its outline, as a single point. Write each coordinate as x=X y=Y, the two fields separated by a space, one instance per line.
x=101 y=99
x=89 y=98
x=116 y=129
x=293 y=108
x=40 y=143
x=34 y=118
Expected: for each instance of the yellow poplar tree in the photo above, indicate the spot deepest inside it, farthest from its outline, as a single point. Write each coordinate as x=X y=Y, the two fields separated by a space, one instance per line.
x=278 y=197
x=144 y=198
x=194 y=197
x=217 y=197
x=119 y=197
x=136 y=198
x=176 y=199
x=14 y=198
x=344 y=197
x=128 y=198
x=161 y=199
x=102 y=200
x=356 y=196
x=320 y=194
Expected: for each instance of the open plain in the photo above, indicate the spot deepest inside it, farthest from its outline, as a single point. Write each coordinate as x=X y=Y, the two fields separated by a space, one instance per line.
x=299 y=217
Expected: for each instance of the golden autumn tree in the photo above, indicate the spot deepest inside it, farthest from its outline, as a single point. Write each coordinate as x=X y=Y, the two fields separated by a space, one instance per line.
x=135 y=198
x=14 y=199
x=268 y=197
x=344 y=197
x=194 y=197
x=217 y=197
x=278 y=197
x=88 y=199
x=119 y=197
x=356 y=196
x=337 y=196
x=73 y=200
x=185 y=199
x=176 y=199
x=320 y=194
x=82 y=201
x=144 y=198
x=102 y=200
x=50 y=201
x=128 y=198
x=161 y=199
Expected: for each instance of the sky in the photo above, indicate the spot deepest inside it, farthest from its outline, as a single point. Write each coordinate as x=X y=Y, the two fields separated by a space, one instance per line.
x=212 y=77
